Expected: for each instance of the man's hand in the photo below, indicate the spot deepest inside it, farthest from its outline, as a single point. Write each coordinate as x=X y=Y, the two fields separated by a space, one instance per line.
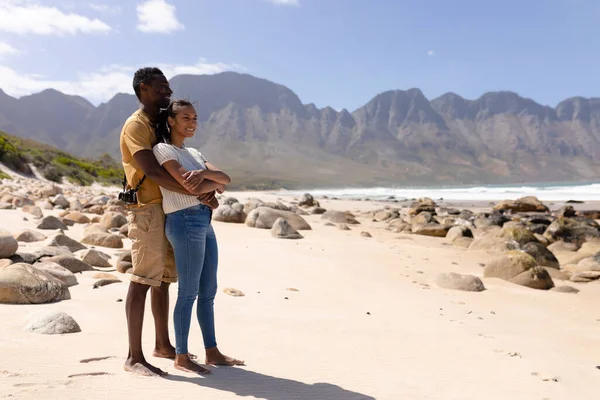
x=193 y=179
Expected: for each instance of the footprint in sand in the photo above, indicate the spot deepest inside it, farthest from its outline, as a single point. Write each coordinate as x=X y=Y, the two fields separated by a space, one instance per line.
x=90 y=374
x=87 y=360
x=8 y=374
x=546 y=377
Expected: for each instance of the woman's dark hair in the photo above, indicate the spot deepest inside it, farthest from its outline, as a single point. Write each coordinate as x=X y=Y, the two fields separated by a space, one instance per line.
x=163 y=131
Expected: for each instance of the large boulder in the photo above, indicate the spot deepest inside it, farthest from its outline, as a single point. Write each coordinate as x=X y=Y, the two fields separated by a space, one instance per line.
x=252 y=203
x=34 y=210
x=226 y=213
x=30 y=236
x=124 y=263
x=519 y=268
x=60 y=200
x=71 y=263
x=307 y=200
x=112 y=219
x=541 y=254
x=283 y=230
x=22 y=283
x=50 y=190
x=94 y=258
x=573 y=230
x=51 y=222
x=431 y=229
x=524 y=204
x=518 y=234
x=94 y=228
x=340 y=217
x=264 y=218
x=77 y=217
x=57 y=271
x=421 y=205
x=8 y=244
x=103 y=240
x=458 y=232
x=452 y=280
x=60 y=240
x=53 y=323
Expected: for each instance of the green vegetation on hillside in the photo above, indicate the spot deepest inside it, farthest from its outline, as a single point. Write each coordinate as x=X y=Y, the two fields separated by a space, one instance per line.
x=53 y=164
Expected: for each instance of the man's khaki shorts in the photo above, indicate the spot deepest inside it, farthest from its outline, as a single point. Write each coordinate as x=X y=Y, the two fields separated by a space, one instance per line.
x=151 y=253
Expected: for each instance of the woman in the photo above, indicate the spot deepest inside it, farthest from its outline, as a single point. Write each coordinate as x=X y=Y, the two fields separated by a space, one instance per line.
x=188 y=228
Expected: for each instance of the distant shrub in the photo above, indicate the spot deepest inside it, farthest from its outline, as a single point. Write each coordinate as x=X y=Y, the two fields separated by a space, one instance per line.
x=54 y=164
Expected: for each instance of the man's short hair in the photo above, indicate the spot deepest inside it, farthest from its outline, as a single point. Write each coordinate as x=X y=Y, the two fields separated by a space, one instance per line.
x=145 y=76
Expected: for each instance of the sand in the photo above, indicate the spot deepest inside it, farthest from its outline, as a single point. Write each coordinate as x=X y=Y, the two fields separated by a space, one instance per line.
x=367 y=322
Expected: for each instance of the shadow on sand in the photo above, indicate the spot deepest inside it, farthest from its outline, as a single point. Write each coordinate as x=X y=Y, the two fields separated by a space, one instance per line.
x=248 y=383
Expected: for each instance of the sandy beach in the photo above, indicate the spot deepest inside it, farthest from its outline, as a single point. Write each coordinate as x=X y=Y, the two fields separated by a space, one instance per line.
x=365 y=319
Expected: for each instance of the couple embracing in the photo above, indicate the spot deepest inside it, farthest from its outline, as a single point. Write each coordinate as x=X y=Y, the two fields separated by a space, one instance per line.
x=169 y=226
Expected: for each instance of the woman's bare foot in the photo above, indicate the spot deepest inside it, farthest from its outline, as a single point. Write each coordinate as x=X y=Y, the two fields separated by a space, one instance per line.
x=169 y=353
x=142 y=368
x=215 y=357
x=184 y=363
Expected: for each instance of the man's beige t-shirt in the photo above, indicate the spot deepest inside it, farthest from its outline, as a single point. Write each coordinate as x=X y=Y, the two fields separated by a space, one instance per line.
x=138 y=134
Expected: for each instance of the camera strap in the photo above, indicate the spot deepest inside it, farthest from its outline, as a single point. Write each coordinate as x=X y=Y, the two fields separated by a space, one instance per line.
x=138 y=185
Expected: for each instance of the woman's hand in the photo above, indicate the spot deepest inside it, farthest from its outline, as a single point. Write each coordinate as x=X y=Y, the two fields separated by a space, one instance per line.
x=221 y=188
x=193 y=179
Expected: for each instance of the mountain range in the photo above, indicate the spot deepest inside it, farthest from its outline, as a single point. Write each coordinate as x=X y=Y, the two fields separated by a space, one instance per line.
x=264 y=135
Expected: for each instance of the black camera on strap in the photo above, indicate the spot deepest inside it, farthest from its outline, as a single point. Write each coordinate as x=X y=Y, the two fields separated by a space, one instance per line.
x=129 y=196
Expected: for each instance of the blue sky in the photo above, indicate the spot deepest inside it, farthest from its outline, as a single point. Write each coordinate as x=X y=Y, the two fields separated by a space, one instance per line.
x=339 y=53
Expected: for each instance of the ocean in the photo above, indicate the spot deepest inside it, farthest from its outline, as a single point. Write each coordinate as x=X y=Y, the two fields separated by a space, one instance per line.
x=544 y=192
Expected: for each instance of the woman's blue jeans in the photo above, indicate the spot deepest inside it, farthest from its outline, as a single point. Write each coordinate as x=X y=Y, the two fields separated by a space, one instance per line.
x=196 y=256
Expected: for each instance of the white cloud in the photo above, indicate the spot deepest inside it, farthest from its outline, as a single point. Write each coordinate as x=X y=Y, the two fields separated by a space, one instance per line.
x=431 y=53
x=101 y=85
x=23 y=17
x=285 y=2
x=157 y=16
x=7 y=49
x=105 y=8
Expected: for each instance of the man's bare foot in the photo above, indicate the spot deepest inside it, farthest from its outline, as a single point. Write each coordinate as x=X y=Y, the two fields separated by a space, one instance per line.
x=142 y=368
x=169 y=353
x=184 y=363
x=215 y=357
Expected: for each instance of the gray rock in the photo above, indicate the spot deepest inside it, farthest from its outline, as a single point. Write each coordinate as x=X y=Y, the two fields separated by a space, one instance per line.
x=94 y=258
x=30 y=236
x=8 y=244
x=60 y=240
x=71 y=263
x=283 y=230
x=103 y=240
x=519 y=268
x=541 y=254
x=264 y=218
x=112 y=219
x=53 y=323
x=51 y=222
x=452 y=280
x=226 y=213
x=57 y=271
x=24 y=284
x=458 y=232
x=60 y=200
x=340 y=217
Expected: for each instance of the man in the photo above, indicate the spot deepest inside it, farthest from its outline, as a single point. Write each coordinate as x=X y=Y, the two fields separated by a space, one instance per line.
x=151 y=254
